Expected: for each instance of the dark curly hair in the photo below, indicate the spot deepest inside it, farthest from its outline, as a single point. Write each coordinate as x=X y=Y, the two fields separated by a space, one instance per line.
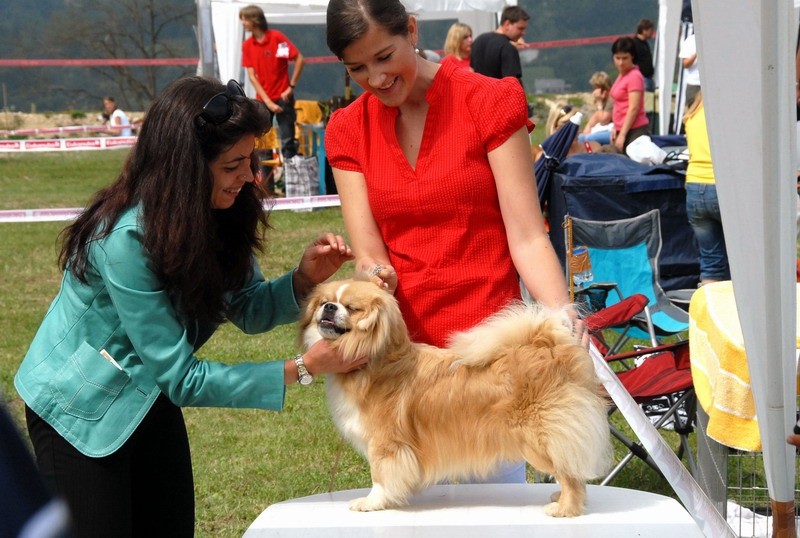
x=199 y=253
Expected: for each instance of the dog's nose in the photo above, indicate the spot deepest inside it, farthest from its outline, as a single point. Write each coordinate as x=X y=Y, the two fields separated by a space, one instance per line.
x=329 y=307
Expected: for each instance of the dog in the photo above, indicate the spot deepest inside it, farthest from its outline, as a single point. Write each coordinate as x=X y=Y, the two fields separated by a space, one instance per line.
x=519 y=386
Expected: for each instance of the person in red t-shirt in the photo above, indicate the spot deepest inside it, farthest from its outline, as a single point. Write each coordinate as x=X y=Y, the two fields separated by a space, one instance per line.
x=265 y=56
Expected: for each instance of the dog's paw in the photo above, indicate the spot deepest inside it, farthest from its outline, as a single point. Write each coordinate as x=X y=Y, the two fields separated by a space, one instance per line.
x=554 y=509
x=365 y=504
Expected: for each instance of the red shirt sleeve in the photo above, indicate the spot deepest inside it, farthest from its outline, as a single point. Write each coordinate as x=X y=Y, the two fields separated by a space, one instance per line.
x=343 y=135
x=247 y=48
x=501 y=108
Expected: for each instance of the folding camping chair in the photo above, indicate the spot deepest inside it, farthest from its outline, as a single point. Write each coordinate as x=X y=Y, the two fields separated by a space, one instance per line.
x=624 y=260
x=309 y=115
x=663 y=380
x=658 y=378
x=624 y=256
x=268 y=146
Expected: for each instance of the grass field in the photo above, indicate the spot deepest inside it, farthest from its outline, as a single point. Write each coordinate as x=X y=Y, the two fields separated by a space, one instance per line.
x=244 y=460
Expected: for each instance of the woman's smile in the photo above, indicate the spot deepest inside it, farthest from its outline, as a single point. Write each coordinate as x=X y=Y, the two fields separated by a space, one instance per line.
x=231 y=170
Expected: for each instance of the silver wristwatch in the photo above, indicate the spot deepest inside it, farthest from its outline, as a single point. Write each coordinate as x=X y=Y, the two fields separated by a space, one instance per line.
x=303 y=377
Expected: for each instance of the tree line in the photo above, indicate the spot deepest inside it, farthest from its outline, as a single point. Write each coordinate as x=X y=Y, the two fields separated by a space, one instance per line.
x=166 y=29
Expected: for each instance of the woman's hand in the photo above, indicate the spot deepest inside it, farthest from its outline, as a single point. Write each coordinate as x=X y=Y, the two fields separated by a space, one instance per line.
x=381 y=274
x=619 y=141
x=580 y=332
x=320 y=261
x=321 y=359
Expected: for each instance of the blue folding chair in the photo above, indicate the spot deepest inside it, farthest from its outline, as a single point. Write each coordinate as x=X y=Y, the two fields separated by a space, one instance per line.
x=625 y=252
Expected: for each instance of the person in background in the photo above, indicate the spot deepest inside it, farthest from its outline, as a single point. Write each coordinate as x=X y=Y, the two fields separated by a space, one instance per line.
x=630 y=121
x=691 y=73
x=702 y=203
x=156 y=262
x=265 y=57
x=494 y=53
x=433 y=169
x=117 y=121
x=558 y=116
x=643 y=56
x=458 y=45
x=599 y=126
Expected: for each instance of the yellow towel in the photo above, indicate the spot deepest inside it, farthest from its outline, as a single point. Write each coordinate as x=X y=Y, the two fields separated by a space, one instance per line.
x=719 y=367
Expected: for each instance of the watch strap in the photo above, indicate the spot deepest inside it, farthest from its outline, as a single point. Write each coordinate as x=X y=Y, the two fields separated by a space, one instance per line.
x=304 y=377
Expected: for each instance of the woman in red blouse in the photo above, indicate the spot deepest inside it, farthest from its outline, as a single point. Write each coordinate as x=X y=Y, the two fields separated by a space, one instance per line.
x=432 y=165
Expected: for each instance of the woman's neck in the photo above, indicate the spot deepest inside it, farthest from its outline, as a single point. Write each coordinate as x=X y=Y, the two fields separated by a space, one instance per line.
x=426 y=72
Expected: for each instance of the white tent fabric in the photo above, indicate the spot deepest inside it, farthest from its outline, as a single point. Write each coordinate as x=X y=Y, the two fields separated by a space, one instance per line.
x=747 y=51
x=669 y=17
x=228 y=33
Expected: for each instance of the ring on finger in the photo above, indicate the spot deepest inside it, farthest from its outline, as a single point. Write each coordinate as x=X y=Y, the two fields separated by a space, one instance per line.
x=376 y=270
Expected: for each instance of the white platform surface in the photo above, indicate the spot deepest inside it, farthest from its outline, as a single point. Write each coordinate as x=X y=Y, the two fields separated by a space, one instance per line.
x=473 y=511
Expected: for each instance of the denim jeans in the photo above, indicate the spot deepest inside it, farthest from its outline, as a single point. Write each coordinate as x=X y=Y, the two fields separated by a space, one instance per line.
x=286 y=127
x=601 y=137
x=702 y=207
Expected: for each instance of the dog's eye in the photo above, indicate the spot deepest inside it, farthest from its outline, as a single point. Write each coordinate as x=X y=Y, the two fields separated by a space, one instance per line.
x=352 y=308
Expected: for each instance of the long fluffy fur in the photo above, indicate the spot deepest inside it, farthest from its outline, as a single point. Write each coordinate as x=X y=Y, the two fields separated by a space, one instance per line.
x=517 y=387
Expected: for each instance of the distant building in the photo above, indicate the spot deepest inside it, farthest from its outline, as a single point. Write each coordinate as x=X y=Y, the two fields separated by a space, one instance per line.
x=551 y=85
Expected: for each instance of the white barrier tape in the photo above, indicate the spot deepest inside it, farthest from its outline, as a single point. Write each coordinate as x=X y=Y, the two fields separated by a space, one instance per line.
x=60 y=214
x=58 y=130
x=66 y=144
x=694 y=499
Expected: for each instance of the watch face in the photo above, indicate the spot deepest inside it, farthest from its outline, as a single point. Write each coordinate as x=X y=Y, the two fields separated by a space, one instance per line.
x=306 y=379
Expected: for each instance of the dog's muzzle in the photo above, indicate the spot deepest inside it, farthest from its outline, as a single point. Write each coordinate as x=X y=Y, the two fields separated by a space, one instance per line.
x=328 y=322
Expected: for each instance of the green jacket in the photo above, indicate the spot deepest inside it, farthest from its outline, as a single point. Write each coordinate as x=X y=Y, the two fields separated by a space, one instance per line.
x=125 y=311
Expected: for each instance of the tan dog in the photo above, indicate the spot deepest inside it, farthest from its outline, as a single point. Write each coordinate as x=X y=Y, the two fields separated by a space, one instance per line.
x=517 y=387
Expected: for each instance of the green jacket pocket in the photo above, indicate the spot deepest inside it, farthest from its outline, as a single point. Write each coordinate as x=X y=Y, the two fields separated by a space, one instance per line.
x=87 y=384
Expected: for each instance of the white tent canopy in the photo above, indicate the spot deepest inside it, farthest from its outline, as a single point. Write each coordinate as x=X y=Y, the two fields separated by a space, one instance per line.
x=747 y=49
x=669 y=18
x=221 y=30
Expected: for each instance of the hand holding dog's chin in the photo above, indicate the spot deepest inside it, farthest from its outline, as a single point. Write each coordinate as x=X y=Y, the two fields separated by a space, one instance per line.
x=321 y=359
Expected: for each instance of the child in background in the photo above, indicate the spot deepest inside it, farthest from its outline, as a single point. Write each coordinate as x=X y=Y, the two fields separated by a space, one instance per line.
x=598 y=128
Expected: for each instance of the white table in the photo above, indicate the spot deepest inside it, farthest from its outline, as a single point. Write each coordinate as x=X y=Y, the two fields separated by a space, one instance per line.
x=478 y=511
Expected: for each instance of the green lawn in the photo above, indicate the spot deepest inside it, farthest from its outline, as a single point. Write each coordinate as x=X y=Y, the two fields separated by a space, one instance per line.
x=244 y=460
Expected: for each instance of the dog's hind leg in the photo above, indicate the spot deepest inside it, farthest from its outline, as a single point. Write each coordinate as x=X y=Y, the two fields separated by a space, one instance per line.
x=569 y=502
x=395 y=476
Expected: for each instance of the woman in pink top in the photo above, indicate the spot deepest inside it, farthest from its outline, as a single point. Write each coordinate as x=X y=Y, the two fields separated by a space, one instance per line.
x=458 y=45
x=630 y=121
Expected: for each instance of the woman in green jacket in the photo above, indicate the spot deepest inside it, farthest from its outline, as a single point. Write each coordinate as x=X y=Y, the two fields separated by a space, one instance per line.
x=157 y=261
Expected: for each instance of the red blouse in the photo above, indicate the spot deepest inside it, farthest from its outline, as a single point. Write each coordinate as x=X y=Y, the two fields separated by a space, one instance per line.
x=441 y=222
x=452 y=58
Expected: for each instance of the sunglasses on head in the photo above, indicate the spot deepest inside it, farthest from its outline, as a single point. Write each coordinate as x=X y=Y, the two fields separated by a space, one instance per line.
x=219 y=109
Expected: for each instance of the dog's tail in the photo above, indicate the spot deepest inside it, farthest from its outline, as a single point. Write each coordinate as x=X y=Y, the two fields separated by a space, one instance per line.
x=516 y=325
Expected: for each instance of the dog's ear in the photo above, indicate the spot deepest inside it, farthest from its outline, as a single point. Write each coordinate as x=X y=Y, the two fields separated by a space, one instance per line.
x=370 y=320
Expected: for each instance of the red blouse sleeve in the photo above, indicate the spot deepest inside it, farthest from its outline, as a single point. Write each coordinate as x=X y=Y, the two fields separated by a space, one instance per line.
x=501 y=108
x=341 y=139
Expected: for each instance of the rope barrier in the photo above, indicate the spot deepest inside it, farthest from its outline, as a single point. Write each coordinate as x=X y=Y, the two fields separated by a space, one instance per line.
x=116 y=62
x=58 y=130
x=300 y=203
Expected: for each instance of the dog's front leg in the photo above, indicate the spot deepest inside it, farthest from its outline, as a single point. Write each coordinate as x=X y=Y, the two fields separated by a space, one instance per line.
x=395 y=475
